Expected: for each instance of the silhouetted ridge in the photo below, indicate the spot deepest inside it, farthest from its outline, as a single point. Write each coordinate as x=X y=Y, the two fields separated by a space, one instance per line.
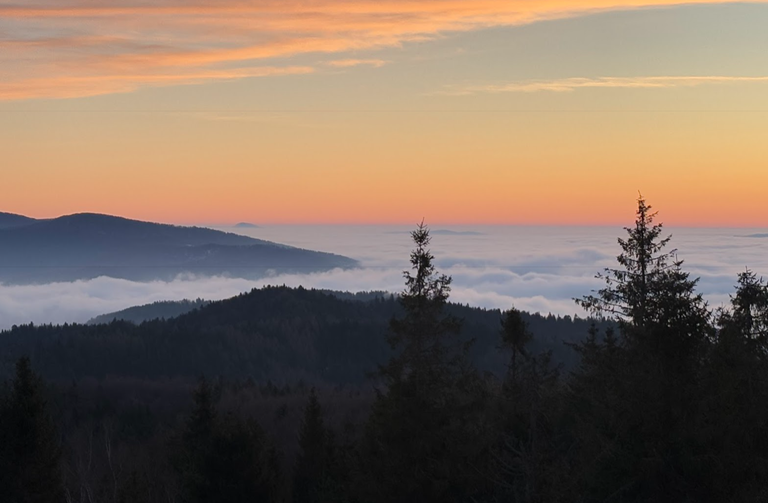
x=276 y=333
x=88 y=245
x=10 y=220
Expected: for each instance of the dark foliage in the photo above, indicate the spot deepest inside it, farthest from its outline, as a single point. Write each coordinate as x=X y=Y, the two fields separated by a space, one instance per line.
x=275 y=333
x=29 y=443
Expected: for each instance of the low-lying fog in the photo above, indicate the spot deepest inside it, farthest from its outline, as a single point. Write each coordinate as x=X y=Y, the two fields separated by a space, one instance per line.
x=532 y=268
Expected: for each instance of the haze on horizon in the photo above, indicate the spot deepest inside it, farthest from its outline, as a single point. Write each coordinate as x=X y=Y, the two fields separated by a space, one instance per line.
x=362 y=111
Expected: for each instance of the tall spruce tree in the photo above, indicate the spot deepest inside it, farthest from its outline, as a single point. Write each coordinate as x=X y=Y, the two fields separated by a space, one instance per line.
x=30 y=451
x=515 y=336
x=198 y=442
x=313 y=463
x=732 y=425
x=422 y=435
x=650 y=296
x=525 y=461
x=635 y=397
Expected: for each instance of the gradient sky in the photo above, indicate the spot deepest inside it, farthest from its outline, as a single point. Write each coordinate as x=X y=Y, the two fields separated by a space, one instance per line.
x=385 y=111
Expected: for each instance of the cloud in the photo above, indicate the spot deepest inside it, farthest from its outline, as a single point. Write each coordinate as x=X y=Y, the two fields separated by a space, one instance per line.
x=348 y=63
x=73 y=87
x=532 y=268
x=68 y=48
x=572 y=84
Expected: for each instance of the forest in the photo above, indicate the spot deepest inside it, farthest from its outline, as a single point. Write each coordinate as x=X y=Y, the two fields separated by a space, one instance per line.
x=296 y=395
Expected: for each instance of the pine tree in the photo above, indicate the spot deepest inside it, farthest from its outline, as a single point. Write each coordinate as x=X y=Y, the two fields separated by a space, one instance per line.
x=312 y=462
x=636 y=397
x=748 y=316
x=224 y=459
x=650 y=296
x=30 y=450
x=422 y=434
x=424 y=337
x=732 y=425
x=514 y=336
x=198 y=443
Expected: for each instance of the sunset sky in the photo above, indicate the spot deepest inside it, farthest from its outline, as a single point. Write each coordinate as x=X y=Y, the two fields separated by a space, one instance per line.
x=385 y=111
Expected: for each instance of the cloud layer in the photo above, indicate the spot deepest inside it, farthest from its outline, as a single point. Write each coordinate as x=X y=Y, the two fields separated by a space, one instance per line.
x=86 y=47
x=574 y=83
x=538 y=269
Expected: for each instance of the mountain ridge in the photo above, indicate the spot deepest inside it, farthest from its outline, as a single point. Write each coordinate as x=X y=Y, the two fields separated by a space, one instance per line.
x=89 y=245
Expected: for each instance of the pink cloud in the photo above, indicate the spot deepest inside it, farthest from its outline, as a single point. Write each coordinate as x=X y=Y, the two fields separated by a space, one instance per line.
x=85 y=47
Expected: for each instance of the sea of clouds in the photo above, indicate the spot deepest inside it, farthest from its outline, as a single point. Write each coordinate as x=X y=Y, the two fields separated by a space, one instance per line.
x=539 y=269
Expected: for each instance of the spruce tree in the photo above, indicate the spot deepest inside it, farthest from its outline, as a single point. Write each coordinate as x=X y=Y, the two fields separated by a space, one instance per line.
x=224 y=459
x=312 y=463
x=650 y=296
x=422 y=434
x=636 y=396
x=198 y=442
x=514 y=336
x=30 y=451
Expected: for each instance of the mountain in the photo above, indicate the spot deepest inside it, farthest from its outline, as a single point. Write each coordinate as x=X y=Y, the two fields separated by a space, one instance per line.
x=246 y=225
x=10 y=220
x=86 y=245
x=273 y=334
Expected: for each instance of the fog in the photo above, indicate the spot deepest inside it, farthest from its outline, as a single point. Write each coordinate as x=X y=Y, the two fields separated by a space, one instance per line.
x=539 y=269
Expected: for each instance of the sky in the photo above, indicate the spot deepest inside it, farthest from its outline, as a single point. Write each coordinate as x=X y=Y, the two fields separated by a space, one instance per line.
x=549 y=112
x=536 y=269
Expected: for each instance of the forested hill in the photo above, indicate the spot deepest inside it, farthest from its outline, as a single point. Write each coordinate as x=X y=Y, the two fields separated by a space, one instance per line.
x=172 y=308
x=154 y=311
x=85 y=246
x=275 y=333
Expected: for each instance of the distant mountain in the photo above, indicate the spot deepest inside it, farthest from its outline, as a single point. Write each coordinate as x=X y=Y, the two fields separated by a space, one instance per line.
x=87 y=245
x=246 y=225
x=9 y=220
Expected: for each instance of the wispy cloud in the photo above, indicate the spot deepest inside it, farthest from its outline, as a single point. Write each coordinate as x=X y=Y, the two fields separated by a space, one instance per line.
x=348 y=63
x=67 y=48
x=72 y=86
x=573 y=84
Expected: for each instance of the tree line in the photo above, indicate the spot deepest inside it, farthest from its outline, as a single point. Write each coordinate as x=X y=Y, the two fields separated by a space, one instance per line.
x=667 y=402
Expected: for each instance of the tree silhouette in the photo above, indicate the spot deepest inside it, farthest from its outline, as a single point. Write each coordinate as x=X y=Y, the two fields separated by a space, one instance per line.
x=224 y=458
x=421 y=434
x=312 y=463
x=30 y=447
x=636 y=395
x=514 y=336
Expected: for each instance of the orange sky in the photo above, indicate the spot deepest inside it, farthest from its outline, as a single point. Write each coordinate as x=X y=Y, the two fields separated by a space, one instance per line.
x=481 y=111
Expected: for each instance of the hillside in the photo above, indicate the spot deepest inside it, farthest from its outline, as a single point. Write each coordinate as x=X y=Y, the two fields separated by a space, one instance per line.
x=276 y=333
x=171 y=309
x=10 y=220
x=85 y=246
x=154 y=311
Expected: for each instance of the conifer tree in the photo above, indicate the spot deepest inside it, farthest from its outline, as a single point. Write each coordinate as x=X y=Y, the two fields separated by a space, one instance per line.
x=650 y=296
x=30 y=447
x=312 y=463
x=225 y=459
x=514 y=336
x=198 y=443
x=422 y=432
x=636 y=396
